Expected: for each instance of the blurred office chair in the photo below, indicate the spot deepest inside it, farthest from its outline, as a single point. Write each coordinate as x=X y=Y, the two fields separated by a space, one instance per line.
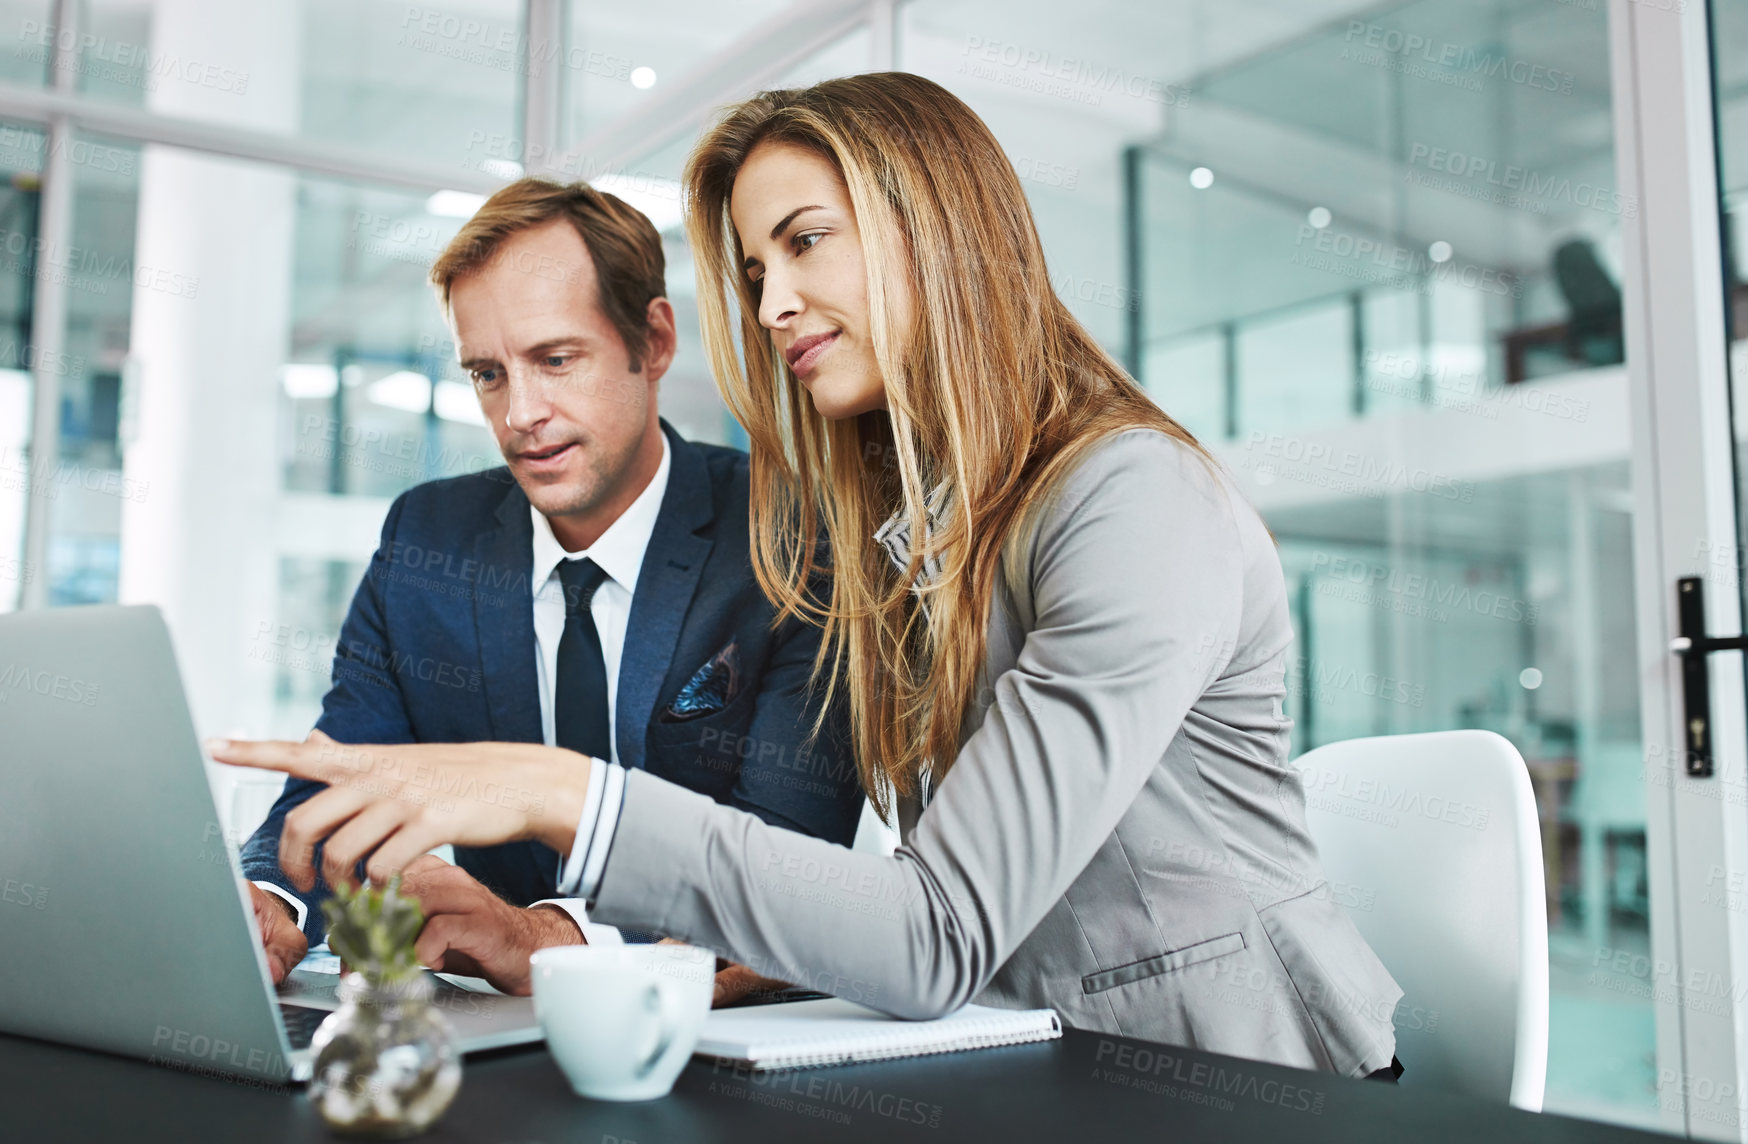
x=1593 y=304
x=1431 y=842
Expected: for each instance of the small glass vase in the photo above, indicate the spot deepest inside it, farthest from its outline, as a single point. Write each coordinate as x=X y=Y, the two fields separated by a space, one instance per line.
x=387 y=1064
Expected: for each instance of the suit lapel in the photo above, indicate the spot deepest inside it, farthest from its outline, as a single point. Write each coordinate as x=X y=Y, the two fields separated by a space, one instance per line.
x=672 y=566
x=504 y=616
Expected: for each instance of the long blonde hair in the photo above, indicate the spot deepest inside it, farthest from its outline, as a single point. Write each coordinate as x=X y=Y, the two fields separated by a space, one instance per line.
x=993 y=393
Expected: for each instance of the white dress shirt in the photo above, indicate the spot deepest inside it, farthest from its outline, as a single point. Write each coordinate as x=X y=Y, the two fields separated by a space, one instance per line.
x=619 y=553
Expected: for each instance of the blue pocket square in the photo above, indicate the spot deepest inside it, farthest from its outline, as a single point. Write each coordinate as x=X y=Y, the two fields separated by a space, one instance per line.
x=712 y=688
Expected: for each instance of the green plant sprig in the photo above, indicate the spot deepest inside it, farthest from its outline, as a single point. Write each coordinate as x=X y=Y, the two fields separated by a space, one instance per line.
x=373 y=931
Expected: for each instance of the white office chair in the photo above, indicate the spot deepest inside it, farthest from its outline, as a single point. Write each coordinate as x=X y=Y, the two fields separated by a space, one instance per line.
x=1434 y=838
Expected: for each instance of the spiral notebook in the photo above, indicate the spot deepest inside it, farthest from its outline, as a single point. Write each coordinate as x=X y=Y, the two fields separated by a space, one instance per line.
x=831 y=1031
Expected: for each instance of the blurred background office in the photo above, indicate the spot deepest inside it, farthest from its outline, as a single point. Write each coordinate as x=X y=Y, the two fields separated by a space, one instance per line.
x=1370 y=253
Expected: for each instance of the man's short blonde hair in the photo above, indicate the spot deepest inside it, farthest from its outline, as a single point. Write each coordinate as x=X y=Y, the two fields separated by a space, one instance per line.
x=623 y=244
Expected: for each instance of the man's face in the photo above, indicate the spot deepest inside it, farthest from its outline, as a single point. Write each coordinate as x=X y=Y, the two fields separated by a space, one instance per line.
x=553 y=376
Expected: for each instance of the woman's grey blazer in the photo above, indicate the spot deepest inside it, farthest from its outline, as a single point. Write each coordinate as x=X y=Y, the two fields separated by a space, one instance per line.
x=1121 y=837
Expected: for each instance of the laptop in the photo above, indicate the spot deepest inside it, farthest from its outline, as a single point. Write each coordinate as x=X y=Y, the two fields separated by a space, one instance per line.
x=125 y=921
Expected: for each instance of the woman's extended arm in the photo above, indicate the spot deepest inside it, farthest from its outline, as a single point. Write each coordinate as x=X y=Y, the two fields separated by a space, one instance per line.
x=395 y=803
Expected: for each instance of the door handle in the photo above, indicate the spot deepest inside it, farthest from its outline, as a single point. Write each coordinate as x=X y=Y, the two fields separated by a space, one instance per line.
x=1693 y=646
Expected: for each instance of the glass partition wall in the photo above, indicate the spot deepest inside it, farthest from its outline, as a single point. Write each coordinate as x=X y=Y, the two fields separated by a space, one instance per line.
x=1378 y=269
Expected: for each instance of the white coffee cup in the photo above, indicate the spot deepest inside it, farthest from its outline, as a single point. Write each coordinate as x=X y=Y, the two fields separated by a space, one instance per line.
x=622 y=1020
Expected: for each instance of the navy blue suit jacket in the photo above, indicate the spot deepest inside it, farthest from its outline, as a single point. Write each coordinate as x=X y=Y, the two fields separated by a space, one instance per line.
x=439 y=647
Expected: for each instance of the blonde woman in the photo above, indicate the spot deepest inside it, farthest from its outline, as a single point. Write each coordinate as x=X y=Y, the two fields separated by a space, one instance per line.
x=1061 y=631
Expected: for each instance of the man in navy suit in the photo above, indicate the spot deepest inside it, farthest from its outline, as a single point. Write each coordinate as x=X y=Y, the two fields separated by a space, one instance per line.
x=596 y=593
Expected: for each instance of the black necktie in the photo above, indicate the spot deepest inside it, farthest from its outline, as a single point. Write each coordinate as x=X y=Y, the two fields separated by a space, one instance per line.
x=579 y=698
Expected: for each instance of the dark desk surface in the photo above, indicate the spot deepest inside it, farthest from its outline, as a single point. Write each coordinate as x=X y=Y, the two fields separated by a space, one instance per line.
x=1084 y=1088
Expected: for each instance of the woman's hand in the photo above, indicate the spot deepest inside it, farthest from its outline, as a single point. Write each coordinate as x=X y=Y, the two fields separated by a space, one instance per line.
x=396 y=803
x=735 y=982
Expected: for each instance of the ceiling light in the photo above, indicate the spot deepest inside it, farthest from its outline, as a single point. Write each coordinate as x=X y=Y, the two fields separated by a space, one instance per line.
x=404 y=390
x=643 y=78
x=308 y=380
x=1318 y=217
x=656 y=197
x=454 y=204
x=1201 y=178
x=1440 y=251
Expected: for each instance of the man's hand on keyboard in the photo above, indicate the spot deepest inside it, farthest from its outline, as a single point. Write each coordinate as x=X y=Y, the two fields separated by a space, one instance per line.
x=471 y=931
x=286 y=944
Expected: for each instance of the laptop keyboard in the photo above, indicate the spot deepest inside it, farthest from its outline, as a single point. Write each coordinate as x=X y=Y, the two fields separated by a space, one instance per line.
x=301 y=1023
